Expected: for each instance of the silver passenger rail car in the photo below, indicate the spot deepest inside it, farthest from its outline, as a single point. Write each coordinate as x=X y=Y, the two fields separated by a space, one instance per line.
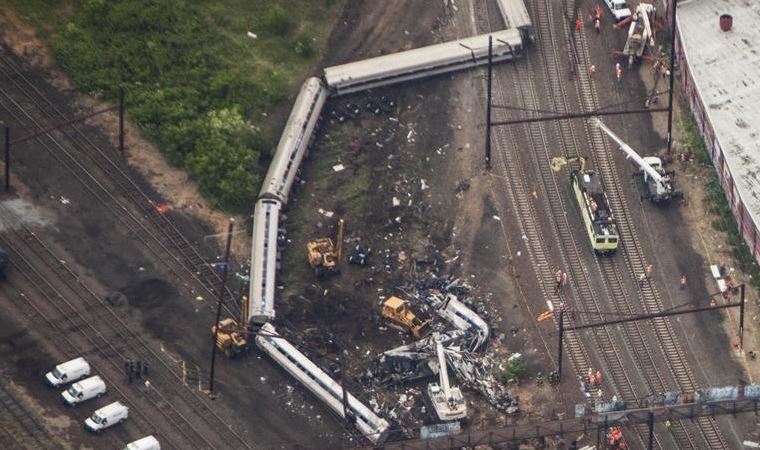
x=515 y=16
x=263 y=261
x=295 y=140
x=374 y=428
x=422 y=62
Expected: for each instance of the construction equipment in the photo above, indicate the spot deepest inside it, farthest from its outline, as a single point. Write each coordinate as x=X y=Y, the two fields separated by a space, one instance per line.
x=593 y=204
x=324 y=256
x=398 y=313
x=640 y=34
x=658 y=181
x=230 y=340
x=448 y=402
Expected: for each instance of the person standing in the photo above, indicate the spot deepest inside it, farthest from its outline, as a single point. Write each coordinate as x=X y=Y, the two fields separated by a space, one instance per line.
x=683 y=282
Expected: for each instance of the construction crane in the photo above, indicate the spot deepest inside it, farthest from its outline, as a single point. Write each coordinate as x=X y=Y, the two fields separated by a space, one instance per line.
x=323 y=255
x=640 y=32
x=658 y=181
x=448 y=402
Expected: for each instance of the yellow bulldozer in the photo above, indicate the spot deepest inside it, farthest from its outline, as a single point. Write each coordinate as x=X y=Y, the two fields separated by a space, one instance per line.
x=324 y=256
x=399 y=314
x=230 y=339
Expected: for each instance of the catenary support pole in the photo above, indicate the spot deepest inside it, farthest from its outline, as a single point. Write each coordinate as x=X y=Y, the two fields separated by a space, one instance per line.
x=741 y=317
x=651 y=431
x=220 y=299
x=559 y=345
x=489 y=102
x=343 y=388
x=672 y=75
x=7 y=159
x=121 y=119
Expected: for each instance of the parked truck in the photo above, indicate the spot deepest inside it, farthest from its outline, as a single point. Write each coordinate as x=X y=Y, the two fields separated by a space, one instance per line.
x=106 y=417
x=84 y=390
x=67 y=372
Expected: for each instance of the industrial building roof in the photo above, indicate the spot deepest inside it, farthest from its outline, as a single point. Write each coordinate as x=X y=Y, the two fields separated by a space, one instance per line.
x=725 y=67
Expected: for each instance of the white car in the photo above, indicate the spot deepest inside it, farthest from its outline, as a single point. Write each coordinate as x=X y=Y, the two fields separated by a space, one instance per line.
x=67 y=372
x=619 y=9
x=146 y=443
x=106 y=417
x=81 y=391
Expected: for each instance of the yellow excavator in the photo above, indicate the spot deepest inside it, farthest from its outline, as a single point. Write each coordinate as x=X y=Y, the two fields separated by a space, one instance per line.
x=230 y=339
x=324 y=256
x=399 y=314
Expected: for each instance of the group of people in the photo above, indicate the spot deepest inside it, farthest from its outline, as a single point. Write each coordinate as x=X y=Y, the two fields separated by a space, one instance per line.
x=560 y=279
x=591 y=383
x=135 y=370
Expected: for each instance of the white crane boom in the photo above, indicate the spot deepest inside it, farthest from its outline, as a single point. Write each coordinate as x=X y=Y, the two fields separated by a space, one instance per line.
x=644 y=10
x=443 y=371
x=631 y=153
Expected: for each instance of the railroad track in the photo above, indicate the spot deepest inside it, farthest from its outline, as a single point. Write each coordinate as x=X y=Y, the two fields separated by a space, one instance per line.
x=613 y=287
x=538 y=140
x=111 y=184
x=635 y=260
x=519 y=195
x=27 y=432
x=61 y=298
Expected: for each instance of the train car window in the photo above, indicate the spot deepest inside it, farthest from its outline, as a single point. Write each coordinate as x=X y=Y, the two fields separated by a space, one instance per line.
x=613 y=240
x=600 y=240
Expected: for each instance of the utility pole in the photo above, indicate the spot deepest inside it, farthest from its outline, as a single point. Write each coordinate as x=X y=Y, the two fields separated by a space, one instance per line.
x=559 y=345
x=343 y=388
x=7 y=158
x=741 y=317
x=650 y=422
x=220 y=299
x=121 y=119
x=672 y=75
x=489 y=101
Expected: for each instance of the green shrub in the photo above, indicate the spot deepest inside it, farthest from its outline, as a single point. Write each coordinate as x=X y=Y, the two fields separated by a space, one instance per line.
x=277 y=21
x=517 y=367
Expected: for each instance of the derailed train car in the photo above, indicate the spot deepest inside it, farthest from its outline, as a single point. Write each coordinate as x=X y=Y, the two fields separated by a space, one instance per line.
x=422 y=62
x=374 y=428
x=295 y=140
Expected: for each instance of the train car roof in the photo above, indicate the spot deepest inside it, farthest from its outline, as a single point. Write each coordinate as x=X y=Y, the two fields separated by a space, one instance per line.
x=431 y=55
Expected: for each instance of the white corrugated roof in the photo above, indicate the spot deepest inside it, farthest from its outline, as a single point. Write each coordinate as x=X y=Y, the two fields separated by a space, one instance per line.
x=726 y=71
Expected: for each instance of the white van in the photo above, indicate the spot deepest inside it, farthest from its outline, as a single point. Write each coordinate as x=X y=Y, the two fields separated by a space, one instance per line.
x=146 y=443
x=84 y=390
x=106 y=417
x=619 y=9
x=67 y=372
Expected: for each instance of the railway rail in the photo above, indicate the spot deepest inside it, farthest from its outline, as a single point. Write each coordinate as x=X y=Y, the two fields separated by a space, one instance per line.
x=538 y=141
x=61 y=299
x=536 y=133
x=26 y=431
x=110 y=183
x=635 y=261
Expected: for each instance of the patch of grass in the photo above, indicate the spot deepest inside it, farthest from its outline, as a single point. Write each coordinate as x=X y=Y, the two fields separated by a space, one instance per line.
x=45 y=16
x=717 y=203
x=198 y=84
x=693 y=141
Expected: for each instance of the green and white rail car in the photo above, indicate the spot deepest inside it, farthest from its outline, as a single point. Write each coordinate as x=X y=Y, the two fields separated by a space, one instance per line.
x=595 y=210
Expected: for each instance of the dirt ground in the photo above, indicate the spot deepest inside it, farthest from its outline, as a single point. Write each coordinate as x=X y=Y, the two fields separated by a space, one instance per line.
x=165 y=308
x=426 y=152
